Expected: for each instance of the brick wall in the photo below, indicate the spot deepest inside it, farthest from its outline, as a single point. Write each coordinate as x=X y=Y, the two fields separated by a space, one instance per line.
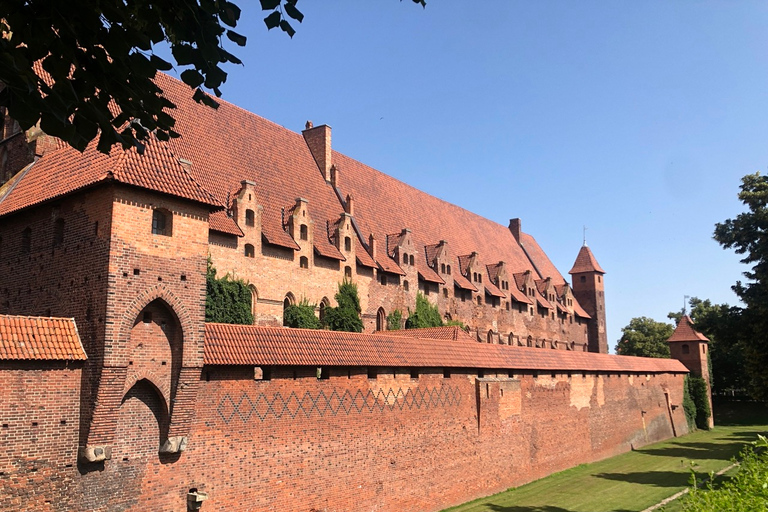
x=399 y=441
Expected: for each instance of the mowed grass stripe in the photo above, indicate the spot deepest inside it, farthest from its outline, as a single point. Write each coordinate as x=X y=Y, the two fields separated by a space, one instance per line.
x=632 y=481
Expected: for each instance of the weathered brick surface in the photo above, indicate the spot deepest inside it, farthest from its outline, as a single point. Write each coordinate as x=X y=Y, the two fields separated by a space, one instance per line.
x=354 y=443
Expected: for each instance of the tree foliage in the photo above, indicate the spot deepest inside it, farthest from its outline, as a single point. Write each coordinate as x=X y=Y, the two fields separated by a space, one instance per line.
x=645 y=337
x=743 y=491
x=100 y=60
x=395 y=320
x=425 y=314
x=301 y=316
x=227 y=301
x=345 y=316
x=697 y=390
x=747 y=234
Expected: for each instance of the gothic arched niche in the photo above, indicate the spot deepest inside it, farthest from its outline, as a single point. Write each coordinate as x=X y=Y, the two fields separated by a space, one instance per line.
x=142 y=423
x=155 y=347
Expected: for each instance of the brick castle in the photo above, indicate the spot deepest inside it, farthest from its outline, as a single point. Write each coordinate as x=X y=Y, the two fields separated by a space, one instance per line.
x=118 y=396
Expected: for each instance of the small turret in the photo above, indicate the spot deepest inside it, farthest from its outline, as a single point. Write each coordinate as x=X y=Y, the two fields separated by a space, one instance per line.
x=690 y=347
x=588 y=288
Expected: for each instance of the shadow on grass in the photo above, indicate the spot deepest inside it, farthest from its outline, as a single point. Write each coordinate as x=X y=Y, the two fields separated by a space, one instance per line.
x=650 y=478
x=739 y=412
x=694 y=450
x=515 y=508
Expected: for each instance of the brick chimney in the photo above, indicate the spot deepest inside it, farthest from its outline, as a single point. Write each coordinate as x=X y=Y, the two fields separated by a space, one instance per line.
x=350 y=208
x=372 y=245
x=515 y=228
x=318 y=139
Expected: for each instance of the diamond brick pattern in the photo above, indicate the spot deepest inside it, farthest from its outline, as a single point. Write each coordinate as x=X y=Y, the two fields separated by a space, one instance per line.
x=322 y=403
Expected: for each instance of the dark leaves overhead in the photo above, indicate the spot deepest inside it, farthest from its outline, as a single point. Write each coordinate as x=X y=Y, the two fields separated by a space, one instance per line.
x=89 y=73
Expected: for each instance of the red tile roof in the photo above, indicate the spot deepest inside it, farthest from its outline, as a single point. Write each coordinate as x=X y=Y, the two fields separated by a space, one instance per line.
x=685 y=331
x=462 y=282
x=493 y=290
x=362 y=256
x=387 y=264
x=426 y=272
x=451 y=333
x=542 y=301
x=220 y=221
x=66 y=170
x=539 y=259
x=252 y=345
x=586 y=262
x=39 y=338
x=579 y=311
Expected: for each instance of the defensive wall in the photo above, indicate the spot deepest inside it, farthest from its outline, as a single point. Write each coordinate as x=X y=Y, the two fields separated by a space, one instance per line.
x=296 y=420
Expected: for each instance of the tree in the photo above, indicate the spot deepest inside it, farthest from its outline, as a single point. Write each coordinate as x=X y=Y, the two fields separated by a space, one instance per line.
x=395 y=320
x=425 y=314
x=301 y=316
x=645 y=337
x=345 y=316
x=227 y=301
x=91 y=73
x=747 y=234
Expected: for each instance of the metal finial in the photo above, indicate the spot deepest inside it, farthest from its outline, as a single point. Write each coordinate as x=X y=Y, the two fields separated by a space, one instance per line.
x=585 y=236
x=685 y=303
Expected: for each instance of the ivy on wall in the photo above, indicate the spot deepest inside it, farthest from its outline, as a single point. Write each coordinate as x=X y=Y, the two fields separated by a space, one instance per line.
x=227 y=301
x=425 y=314
x=301 y=316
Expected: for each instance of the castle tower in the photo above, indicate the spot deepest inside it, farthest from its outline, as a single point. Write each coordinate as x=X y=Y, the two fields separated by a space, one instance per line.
x=588 y=289
x=690 y=347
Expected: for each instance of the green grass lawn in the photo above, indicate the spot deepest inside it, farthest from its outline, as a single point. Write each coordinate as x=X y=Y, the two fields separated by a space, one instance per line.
x=636 y=480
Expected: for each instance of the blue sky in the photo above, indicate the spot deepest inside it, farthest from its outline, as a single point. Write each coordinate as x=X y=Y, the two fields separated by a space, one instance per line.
x=636 y=119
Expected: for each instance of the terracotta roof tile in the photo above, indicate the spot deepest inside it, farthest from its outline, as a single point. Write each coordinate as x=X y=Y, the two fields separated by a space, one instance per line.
x=685 y=331
x=493 y=290
x=542 y=301
x=451 y=333
x=252 y=345
x=539 y=259
x=579 y=311
x=462 y=282
x=362 y=256
x=220 y=221
x=387 y=264
x=39 y=338
x=66 y=170
x=585 y=262
x=426 y=272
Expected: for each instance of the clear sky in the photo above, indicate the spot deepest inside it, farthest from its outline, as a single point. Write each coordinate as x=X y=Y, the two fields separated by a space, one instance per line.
x=636 y=119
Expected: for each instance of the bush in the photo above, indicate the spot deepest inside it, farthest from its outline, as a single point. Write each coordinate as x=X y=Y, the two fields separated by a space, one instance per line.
x=301 y=316
x=697 y=388
x=688 y=405
x=746 y=491
x=425 y=315
x=227 y=301
x=395 y=320
x=346 y=316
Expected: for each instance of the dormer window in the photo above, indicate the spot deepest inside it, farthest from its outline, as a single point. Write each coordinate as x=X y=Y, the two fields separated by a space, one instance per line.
x=347 y=243
x=303 y=232
x=410 y=259
x=448 y=268
x=442 y=268
x=249 y=251
x=250 y=218
x=162 y=222
x=405 y=259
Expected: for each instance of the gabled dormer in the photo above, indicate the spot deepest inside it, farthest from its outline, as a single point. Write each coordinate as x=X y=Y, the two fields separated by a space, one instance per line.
x=246 y=211
x=400 y=247
x=344 y=236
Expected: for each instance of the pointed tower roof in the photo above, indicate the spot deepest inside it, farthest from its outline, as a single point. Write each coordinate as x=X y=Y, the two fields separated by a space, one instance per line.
x=586 y=262
x=686 y=332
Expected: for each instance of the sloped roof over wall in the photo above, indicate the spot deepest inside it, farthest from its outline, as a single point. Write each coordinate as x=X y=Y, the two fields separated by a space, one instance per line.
x=685 y=331
x=586 y=262
x=39 y=338
x=252 y=345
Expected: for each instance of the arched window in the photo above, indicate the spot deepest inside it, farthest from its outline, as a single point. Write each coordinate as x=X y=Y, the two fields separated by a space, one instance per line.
x=304 y=232
x=254 y=300
x=410 y=259
x=448 y=268
x=250 y=218
x=405 y=285
x=58 y=232
x=348 y=272
x=289 y=300
x=554 y=344
x=445 y=292
x=529 y=342
x=405 y=259
x=249 y=251
x=26 y=241
x=324 y=303
x=442 y=268
x=490 y=336
x=447 y=317
x=686 y=349
x=474 y=276
x=381 y=320
x=347 y=243
x=511 y=339
x=304 y=262
x=479 y=301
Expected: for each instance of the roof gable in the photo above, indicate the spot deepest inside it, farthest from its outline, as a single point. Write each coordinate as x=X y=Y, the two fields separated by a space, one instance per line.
x=586 y=262
x=685 y=331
